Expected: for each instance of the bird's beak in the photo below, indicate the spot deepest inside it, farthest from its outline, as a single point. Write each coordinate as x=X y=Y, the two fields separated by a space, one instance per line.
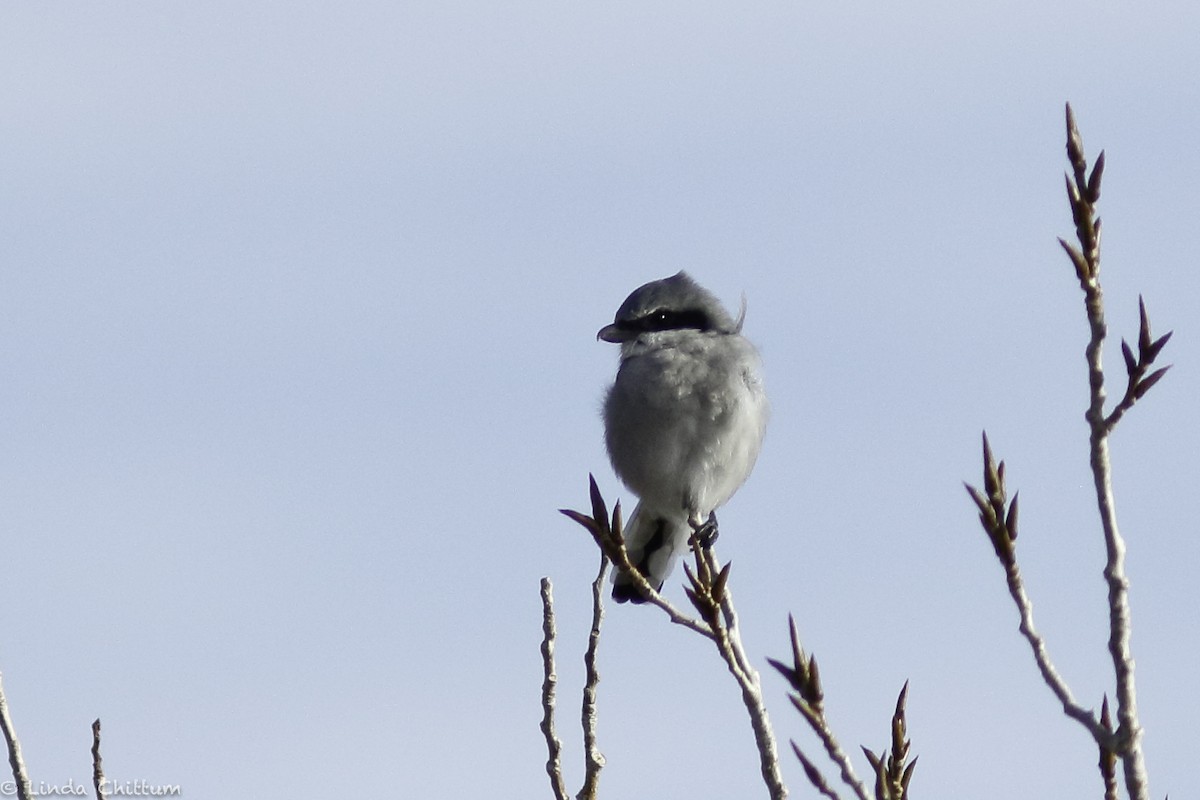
x=611 y=333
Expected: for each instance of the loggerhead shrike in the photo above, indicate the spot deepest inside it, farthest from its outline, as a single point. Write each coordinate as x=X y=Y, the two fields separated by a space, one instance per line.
x=683 y=421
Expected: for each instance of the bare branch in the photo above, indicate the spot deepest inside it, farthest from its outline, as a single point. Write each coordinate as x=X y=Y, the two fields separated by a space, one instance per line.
x=729 y=644
x=97 y=768
x=549 y=681
x=814 y=775
x=809 y=699
x=833 y=748
x=803 y=675
x=893 y=771
x=1138 y=382
x=1129 y=730
x=593 y=759
x=1108 y=759
x=1051 y=676
x=1000 y=526
x=709 y=593
x=608 y=535
x=14 y=750
x=1125 y=741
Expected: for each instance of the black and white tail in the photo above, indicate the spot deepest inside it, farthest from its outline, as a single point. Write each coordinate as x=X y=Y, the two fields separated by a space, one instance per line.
x=654 y=542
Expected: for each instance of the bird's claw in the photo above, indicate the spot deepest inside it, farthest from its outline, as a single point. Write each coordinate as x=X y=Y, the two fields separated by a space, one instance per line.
x=706 y=532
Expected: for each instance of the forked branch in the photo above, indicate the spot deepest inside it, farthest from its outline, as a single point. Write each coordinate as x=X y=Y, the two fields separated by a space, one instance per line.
x=893 y=770
x=998 y=517
x=708 y=591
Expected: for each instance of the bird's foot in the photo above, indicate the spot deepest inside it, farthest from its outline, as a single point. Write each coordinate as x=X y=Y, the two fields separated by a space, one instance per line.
x=706 y=532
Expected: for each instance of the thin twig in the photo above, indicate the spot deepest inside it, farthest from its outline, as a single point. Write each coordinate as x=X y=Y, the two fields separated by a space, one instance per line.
x=729 y=644
x=593 y=759
x=893 y=770
x=814 y=774
x=730 y=619
x=97 y=767
x=1108 y=759
x=764 y=737
x=808 y=697
x=549 y=680
x=1051 y=676
x=1129 y=730
x=655 y=598
x=703 y=594
x=710 y=596
x=999 y=520
x=817 y=722
x=1139 y=379
x=609 y=537
x=14 y=750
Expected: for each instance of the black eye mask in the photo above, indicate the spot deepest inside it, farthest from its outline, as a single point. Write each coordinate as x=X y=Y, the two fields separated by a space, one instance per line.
x=665 y=319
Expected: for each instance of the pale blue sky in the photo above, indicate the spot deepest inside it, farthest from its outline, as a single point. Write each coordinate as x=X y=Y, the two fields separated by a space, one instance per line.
x=298 y=306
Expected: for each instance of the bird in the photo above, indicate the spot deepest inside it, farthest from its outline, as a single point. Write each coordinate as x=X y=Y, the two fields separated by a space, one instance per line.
x=683 y=420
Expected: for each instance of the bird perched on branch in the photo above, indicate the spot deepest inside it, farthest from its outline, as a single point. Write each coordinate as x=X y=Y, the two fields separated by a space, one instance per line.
x=684 y=419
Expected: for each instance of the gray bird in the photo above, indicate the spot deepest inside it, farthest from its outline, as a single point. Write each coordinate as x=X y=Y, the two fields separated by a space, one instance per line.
x=684 y=419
